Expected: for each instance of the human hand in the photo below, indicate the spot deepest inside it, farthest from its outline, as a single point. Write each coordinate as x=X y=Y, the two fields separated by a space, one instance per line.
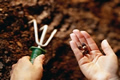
x=25 y=70
x=95 y=65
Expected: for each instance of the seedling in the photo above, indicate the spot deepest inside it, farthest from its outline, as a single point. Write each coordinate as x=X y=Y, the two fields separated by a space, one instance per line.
x=36 y=51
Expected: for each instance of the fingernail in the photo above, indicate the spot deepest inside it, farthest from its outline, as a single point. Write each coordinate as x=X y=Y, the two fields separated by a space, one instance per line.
x=75 y=30
x=70 y=34
x=106 y=40
x=82 y=31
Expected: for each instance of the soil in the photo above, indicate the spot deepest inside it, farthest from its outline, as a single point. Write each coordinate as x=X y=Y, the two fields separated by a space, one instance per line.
x=100 y=18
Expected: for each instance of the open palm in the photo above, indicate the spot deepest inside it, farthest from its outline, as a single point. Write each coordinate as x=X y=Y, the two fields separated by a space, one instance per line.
x=95 y=65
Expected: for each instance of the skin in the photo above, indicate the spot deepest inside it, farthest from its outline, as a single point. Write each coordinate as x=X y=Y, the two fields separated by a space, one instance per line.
x=95 y=65
x=25 y=70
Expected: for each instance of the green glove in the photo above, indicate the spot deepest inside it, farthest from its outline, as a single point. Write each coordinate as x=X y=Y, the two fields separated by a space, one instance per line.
x=35 y=52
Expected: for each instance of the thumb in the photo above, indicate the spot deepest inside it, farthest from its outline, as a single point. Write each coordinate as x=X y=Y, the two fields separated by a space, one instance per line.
x=39 y=60
x=106 y=47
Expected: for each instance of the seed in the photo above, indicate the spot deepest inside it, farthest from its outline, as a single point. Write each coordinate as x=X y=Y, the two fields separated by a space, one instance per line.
x=83 y=44
x=85 y=52
x=80 y=47
x=84 y=47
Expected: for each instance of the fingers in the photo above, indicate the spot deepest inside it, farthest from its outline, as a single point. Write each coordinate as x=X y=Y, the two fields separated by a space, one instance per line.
x=79 y=56
x=76 y=51
x=21 y=62
x=25 y=59
x=84 y=37
x=79 y=36
x=13 y=65
x=39 y=61
x=106 y=48
x=90 y=41
x=75 y=38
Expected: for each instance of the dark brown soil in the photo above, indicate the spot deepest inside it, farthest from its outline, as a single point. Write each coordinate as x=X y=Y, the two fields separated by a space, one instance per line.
x=100 y=18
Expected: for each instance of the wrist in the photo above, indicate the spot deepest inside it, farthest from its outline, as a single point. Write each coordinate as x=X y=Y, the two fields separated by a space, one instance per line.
x=115 y=78
x=107 y=77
